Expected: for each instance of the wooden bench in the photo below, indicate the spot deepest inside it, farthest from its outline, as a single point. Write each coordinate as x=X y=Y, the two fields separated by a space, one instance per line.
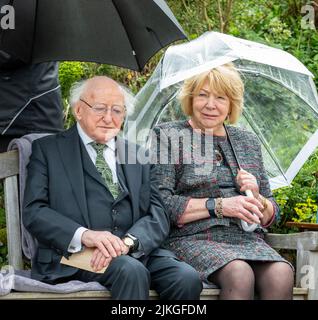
x=305 y=243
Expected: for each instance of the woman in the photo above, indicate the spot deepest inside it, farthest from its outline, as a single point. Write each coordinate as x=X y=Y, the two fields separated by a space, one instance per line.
x=205 y=195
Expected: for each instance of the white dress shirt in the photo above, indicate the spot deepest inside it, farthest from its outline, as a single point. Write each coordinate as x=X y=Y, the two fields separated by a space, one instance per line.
x=110 y=158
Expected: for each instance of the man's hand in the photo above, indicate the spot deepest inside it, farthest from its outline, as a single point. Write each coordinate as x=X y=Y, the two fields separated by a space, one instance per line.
x=99 y=261
x=109 y=244
x=126 y=250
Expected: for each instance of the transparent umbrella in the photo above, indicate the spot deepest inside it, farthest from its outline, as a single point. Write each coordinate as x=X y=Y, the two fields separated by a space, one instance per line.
x=281 y=102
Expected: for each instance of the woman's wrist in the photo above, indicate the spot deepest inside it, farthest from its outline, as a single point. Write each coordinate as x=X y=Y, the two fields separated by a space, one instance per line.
x=264 y=203
x=268 y=212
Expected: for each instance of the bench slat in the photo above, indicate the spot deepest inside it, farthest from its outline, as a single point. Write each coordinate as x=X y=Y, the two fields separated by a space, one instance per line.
x=206 y=294
x=9 y=164
x=11 y=200
x=297 y=241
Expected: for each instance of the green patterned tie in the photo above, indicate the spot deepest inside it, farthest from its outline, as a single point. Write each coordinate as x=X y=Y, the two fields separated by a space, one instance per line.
x=103 y=168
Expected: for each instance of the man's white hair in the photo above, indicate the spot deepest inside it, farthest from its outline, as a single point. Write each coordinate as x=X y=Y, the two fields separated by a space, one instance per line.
x=78 y=88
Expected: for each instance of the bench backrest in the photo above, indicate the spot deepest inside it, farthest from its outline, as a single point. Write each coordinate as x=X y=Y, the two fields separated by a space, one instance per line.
x=9 y=170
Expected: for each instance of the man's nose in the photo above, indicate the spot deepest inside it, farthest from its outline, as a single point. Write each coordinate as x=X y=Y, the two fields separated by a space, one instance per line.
x=107 y=116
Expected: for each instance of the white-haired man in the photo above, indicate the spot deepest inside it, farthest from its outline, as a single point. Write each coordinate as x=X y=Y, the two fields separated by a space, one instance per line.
x=78 y=194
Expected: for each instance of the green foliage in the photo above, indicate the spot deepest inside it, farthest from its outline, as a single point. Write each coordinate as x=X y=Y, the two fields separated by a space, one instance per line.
x=306 y=211
x=299 y=201
x=70 y=72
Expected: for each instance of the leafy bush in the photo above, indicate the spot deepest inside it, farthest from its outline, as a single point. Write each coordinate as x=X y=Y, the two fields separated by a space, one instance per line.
x=298 y=202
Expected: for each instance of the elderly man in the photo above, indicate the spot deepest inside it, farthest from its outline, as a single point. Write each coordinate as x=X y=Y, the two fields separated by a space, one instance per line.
x=77 y=195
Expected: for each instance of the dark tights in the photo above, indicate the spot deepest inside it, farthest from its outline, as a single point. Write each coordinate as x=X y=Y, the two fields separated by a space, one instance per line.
x=238 y=280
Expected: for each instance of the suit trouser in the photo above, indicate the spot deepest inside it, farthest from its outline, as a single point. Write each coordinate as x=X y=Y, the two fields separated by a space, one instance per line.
x=128 y=279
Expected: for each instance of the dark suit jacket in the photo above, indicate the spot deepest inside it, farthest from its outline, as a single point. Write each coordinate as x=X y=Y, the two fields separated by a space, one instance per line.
x=55 y=200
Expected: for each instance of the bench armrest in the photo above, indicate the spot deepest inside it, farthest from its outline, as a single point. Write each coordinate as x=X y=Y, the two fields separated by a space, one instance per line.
x=307 y=241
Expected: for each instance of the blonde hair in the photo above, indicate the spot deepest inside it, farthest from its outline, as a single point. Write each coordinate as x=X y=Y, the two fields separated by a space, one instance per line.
x=224 y=80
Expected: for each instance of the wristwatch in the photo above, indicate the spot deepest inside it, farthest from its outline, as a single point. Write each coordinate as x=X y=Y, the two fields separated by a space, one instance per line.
x=131 y=242
x=210 y=205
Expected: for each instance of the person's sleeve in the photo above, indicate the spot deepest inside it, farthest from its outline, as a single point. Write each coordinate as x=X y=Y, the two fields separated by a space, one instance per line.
x=264 y=187
x=47 y=225
x=153 y=227
x=166 y=176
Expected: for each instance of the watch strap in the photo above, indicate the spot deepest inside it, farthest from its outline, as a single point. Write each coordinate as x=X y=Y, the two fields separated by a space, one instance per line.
x=136 y=242
x=211 y=211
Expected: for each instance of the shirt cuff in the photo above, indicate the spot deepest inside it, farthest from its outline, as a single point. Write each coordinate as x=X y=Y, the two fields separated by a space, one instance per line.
x=76 y=242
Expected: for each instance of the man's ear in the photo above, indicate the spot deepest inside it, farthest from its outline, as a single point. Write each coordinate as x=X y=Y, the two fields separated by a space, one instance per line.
x=77 y=111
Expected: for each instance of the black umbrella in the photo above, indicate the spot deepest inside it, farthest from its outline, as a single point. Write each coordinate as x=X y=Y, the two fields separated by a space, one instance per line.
x=125 y=33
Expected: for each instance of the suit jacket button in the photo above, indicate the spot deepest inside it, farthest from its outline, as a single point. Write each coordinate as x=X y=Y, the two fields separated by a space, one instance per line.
x=115 y=228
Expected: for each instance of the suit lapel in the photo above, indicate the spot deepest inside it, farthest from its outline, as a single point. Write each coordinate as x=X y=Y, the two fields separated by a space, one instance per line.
x=70 y=154
x=129 y=171
x=121 y=177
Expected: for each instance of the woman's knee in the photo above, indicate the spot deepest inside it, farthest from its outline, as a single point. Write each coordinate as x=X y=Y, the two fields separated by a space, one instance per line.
x=236 y=280
x=275 y=281
x=280 y=274
x=237 y=273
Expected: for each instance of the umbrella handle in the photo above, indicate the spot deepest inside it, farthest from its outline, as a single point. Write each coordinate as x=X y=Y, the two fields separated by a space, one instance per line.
x=249 y=227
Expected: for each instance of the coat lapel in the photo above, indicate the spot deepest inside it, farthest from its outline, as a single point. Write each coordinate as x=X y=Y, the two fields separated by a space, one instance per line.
x=228 y=153
x=70 y=153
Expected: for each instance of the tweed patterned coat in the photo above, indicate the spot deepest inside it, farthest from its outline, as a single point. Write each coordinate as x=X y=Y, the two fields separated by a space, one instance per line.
x=182 y=155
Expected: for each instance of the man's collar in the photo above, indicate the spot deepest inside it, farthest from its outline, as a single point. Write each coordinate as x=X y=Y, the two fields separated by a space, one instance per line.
x=111 y=144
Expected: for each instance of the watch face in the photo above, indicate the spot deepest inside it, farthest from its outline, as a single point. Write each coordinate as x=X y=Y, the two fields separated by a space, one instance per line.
x=128 y=242
x=210 y=204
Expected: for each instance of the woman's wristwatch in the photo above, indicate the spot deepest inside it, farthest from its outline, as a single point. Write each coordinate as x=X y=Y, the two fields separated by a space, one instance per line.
x=215 y=207
x=210 y=205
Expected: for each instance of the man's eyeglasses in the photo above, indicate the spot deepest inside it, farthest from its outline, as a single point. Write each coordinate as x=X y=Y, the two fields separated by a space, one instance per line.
x=100 y=109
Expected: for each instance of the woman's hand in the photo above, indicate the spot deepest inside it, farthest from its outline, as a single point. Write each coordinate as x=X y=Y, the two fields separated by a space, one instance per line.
x=247 y=182
x=243 y=208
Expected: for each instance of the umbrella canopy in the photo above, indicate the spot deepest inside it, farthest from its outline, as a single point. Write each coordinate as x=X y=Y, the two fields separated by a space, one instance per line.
x=281 y=103
x=125 y=33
